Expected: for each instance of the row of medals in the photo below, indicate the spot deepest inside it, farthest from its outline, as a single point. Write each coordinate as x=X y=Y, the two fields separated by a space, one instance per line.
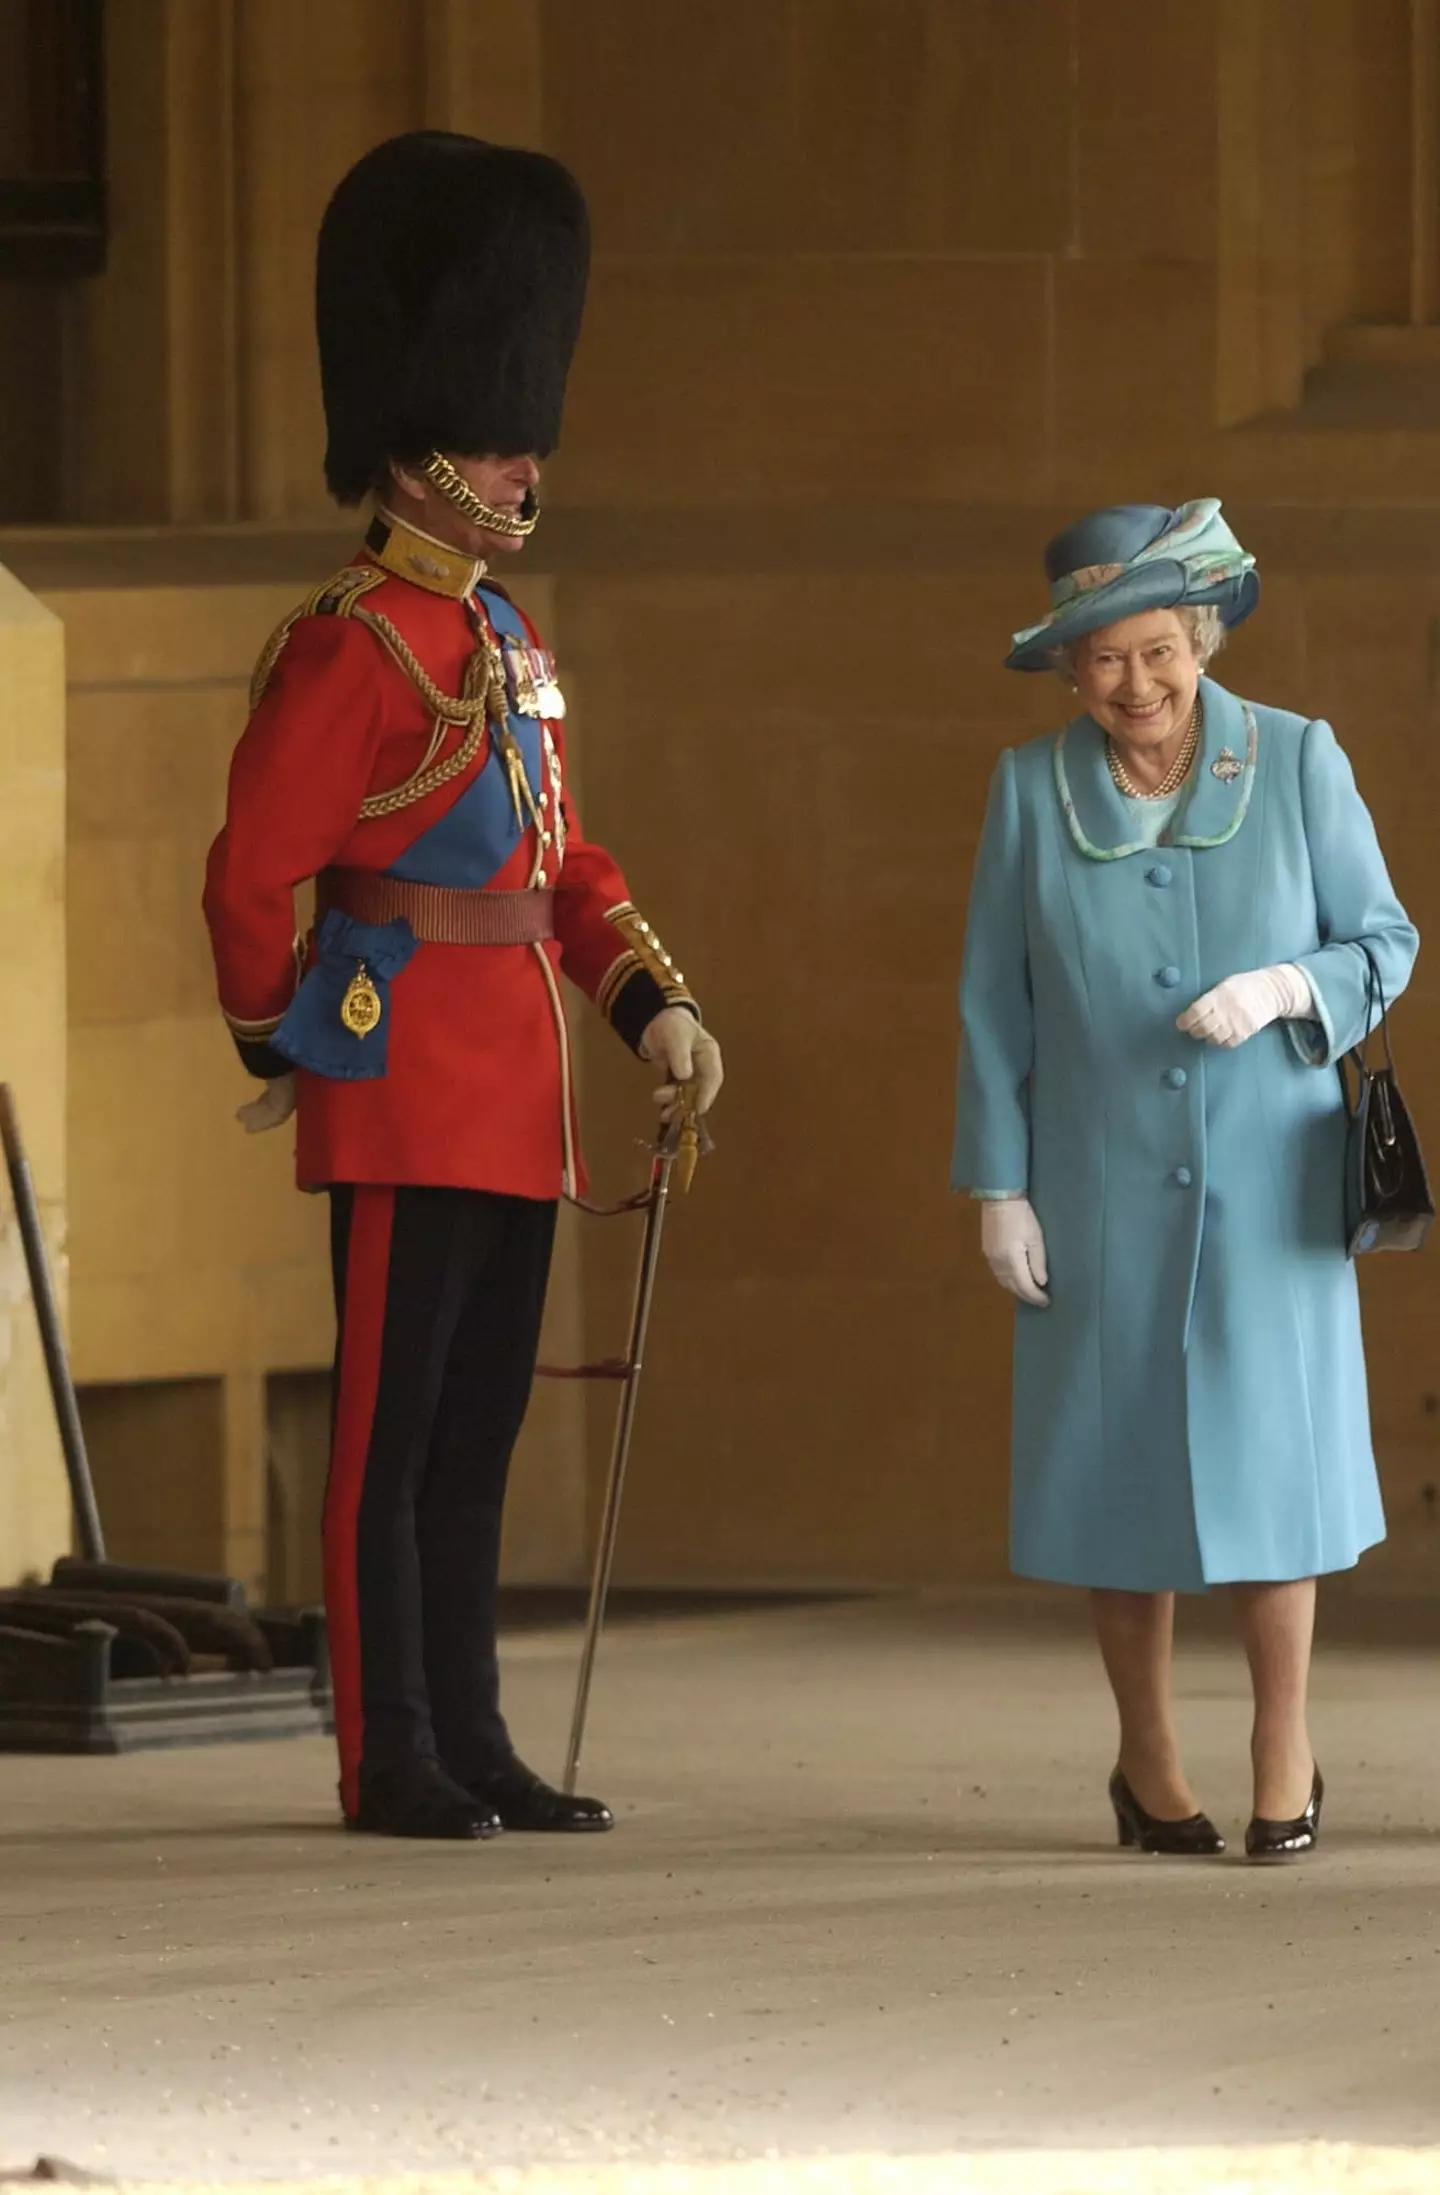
x=530 y=676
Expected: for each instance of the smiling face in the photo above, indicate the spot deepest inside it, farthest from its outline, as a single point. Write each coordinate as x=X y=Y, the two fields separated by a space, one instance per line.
x=502 y=482
x=1138 y=680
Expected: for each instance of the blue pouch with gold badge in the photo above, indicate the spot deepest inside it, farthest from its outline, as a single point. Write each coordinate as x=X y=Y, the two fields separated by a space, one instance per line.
x=339 y=1021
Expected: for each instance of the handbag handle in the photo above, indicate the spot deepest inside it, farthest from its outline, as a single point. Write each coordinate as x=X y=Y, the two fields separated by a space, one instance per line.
x=1374 y=989
x=1380 y=1089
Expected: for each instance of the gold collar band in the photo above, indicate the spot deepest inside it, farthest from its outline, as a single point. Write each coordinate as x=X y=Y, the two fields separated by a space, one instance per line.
x=405 y=551
x=514 y=526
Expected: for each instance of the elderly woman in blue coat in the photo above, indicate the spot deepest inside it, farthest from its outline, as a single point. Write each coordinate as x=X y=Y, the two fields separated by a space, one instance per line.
x=1165 y=960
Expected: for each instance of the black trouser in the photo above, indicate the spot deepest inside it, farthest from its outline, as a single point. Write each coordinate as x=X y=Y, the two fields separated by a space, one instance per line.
x=439 y=1295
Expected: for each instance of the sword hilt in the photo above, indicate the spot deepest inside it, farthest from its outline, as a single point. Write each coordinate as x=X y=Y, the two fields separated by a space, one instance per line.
x=684 y=1140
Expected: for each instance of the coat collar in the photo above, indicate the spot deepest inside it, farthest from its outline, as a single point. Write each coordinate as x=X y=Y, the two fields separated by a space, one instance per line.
x=406 y=553
x=1096 y=813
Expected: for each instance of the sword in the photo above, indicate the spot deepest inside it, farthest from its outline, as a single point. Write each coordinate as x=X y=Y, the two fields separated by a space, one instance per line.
x=681 y=1142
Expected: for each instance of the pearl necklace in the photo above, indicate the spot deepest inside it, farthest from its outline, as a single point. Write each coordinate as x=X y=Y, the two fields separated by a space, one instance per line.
x=1174 y=777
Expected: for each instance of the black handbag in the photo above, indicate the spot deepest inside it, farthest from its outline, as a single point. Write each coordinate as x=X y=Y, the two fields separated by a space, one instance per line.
x=1388 y=1205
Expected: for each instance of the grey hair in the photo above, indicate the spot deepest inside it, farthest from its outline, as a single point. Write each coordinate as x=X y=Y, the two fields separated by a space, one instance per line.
x=1201 y=621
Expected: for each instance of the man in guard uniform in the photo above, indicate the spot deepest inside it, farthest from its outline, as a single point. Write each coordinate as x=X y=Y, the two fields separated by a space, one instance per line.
x=406 y=749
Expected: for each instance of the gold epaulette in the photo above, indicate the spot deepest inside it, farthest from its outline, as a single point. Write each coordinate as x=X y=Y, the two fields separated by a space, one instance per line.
x=336 y=598
x=643 y=951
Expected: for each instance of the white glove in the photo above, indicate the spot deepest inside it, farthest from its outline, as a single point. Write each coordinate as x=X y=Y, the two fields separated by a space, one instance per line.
x=675 y=1041
x=1241 y=1006
x=1014 y=1248
x=271 y=1109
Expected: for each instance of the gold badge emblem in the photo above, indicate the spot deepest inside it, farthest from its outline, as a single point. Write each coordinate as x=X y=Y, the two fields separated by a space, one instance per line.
x=360 y=1007
x=1226 y=766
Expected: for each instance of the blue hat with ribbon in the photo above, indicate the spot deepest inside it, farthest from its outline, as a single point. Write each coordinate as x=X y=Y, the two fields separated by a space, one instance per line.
x=1134 y=557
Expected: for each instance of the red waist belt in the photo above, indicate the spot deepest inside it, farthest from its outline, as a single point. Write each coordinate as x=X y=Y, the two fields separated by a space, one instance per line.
x=439 y=914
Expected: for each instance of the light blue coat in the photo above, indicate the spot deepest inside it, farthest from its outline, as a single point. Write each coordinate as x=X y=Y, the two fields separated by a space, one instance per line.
x=1192 y=1408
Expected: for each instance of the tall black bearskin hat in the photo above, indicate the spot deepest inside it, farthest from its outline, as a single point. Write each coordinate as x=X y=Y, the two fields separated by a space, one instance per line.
x=449 y=285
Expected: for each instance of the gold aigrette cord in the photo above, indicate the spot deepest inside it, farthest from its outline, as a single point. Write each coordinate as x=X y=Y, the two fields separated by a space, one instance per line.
x=515 y=526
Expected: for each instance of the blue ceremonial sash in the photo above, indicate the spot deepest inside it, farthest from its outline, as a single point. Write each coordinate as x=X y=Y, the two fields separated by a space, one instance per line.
x=473 y=840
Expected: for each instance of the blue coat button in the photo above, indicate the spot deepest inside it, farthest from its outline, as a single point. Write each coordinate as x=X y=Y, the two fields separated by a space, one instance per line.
x=1158 y=876
x=1167 y=978
x=1182 y=1177
x=1175 y=1078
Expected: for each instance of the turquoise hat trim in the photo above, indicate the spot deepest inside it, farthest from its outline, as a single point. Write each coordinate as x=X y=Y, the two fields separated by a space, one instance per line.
x=1195 y=561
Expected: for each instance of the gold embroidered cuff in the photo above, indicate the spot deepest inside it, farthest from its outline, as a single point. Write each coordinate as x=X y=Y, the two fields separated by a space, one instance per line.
x=614 y=980
x=643 y=950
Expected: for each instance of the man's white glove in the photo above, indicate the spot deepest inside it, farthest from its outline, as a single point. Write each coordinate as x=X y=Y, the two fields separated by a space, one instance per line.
x=1014 y=1248
x=1241 y=1006
x=675 y=1041
x=271 y=1109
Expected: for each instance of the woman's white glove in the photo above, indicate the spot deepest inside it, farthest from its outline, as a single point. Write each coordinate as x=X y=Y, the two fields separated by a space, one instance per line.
x=1241 y=1006
x=675 y=1041
x=271 y=1109
x=1014 y=1248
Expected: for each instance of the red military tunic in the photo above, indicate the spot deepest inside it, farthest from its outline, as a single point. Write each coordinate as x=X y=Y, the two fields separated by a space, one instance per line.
x=477 y=1089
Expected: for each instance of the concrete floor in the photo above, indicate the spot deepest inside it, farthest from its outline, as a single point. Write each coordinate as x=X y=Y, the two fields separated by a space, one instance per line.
x=862 y=1897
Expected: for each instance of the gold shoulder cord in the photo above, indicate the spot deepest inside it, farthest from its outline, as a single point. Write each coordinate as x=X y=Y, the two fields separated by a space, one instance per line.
x=336 y=598
x=471 y=710
x=483 y=701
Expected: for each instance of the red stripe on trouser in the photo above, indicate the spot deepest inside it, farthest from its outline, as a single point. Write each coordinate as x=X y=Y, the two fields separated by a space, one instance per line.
x=367 y=1269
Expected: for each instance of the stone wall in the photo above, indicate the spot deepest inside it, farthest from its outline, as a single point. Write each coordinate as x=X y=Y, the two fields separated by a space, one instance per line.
x=34 y=1524
x=885 y=290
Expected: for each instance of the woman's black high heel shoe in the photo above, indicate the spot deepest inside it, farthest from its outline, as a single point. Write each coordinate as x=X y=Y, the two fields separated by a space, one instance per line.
x=1287 y=1840
x=1196 y=1838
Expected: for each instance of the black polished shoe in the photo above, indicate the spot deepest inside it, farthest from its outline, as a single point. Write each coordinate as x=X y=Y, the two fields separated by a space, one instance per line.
x=420 y=1800
x=522 y=1800
x=1287 y=1840
x=1195 y=1838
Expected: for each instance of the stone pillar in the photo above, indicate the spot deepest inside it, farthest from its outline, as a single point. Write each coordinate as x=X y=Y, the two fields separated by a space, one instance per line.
x=152 y=394
x=34 y=1504
x=1260 y=274
x=316 y=86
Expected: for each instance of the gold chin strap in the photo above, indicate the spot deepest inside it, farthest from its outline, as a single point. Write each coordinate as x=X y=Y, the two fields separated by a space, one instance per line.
x=514 y=526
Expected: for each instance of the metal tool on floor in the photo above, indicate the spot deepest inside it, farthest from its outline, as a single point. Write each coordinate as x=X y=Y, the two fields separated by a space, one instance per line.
x=678 y=1150
x=113 y=1656
x=89 y=1571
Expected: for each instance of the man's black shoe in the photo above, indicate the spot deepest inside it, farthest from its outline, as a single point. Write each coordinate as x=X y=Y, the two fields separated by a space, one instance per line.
x=420 y=1800
x=522 y=1800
